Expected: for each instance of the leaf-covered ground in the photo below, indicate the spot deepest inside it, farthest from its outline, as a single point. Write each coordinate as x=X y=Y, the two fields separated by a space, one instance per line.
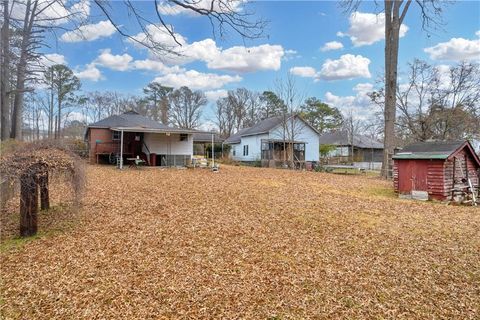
x=248 y=243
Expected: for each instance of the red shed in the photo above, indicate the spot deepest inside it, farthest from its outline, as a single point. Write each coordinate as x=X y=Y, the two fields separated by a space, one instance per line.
x=441 y=170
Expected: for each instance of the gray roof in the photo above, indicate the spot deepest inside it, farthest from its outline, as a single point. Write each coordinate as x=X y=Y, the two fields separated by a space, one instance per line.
x=132 y=119
x=341 y=138
x=205 y=136
x=263 y=126
x=429 y=150
x=235 y=138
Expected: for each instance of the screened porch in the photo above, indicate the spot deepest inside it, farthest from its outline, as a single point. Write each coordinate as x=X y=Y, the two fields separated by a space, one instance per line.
x=277 y=153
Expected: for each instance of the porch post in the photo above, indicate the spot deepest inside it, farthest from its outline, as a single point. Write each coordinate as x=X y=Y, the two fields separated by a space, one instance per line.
x=213 y=151
x=121 y=149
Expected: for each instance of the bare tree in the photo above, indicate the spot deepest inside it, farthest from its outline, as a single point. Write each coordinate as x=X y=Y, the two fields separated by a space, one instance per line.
x=435 y=103
x=4 y=73
x=238 y=100
x=225 y=114
x=224 y=15
x=287 y=91
x=395 y=12
x=186 y=107
x=352 y=126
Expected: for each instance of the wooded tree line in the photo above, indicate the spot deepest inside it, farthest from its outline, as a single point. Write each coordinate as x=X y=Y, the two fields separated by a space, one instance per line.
x=26 y=26
x=60 y=109
x=436 y=102
x=242 y=108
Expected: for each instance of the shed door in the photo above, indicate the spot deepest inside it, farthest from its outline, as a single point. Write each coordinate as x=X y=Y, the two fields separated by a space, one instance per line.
x=420 y=170
x=412 y=175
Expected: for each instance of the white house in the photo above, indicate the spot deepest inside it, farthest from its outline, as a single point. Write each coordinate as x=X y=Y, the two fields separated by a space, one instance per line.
x=272 y=140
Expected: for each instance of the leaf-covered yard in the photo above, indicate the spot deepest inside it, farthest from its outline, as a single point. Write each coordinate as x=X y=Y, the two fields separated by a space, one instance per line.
x=247 y=243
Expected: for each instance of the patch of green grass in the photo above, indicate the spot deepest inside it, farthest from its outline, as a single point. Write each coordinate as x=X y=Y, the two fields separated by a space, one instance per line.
x=62 y=226
x=17 y=242
x=382 y=192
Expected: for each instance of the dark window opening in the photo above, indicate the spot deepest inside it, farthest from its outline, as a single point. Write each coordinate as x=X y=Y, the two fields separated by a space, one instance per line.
x=115 y=135
x=183 y=137
x=245 y=150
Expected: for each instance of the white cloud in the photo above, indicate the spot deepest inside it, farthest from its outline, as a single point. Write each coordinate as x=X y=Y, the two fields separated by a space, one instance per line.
x=196 y=80
x=214 y=95
x=155 y=65
x=91 y=73
x=81 y=9
x=456 y=49
x=305 y=72
x=347 y=66
x=89 y=32
x=158 y=34
x=51 y=59
x=54 y=13
x=368 y=28
x=477 y=33
x=290 y=54
x=237 y=58
x=248 y=59
x=219 y=6
x=359 y=104
x=114 y=62
x=332 y=45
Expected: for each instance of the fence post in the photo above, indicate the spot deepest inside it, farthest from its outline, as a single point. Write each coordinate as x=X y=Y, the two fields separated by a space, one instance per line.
x=28 y=204
x=43 y=185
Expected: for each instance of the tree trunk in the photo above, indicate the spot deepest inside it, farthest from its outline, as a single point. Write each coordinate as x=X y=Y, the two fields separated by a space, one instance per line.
x=28 y=205
x=17 y=114
x=4 y=73
x=392 y=30
x=44 y=196
x=50 y=109
x=59 y=122
x=164 y=110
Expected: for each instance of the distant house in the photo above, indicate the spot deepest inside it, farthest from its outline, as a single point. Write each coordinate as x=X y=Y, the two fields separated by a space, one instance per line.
x=272 y=140
x=439 y=170
x=362 y=150
x=130 y=134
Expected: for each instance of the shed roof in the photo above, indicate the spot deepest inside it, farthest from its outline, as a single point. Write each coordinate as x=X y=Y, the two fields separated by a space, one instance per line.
x=434 y=150
x=341 y=138
x=205 y=136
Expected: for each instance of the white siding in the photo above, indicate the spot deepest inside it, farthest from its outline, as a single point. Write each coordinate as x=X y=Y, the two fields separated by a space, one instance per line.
x=254 y=144
x=160 y=143
x=302 y=132
x=234 y=151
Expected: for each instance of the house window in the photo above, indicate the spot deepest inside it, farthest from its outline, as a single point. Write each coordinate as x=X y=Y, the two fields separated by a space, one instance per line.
x=299 y=147
x=115 y=135
x=183 y=137
x=265 y=146
x=245 y=150
x=234 y=151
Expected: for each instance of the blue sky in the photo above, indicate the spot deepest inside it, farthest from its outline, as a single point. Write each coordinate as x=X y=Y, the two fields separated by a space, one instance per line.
x=341 y=73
